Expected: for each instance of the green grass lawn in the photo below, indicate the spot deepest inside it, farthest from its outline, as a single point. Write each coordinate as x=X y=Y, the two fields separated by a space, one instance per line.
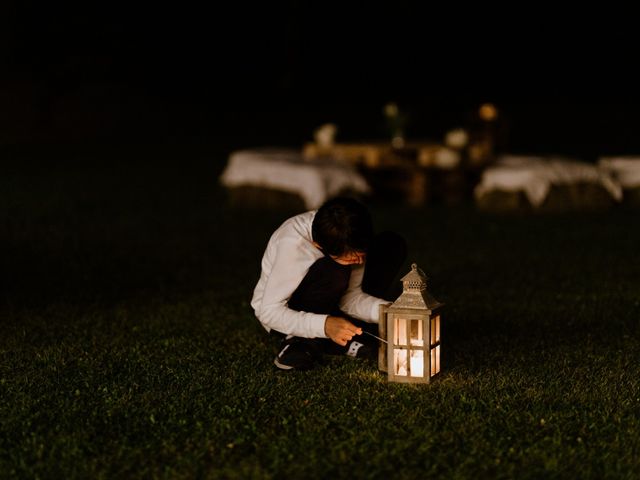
x=128 y=348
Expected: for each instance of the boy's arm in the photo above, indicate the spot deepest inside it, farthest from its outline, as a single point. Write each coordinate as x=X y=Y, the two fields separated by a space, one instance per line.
x=290 y=265
x=358 y=304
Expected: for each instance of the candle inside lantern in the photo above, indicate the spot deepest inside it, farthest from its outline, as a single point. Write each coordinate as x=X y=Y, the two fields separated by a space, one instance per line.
x=417 y=363
x=417 y=356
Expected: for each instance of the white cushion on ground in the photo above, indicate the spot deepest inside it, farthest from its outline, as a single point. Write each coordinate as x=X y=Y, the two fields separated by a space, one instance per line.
x=626 y=169
x=535 y=176
x=287 y=170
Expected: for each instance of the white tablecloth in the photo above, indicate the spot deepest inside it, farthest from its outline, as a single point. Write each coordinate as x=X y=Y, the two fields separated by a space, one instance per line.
x=287 y=170
x=626 y=170
x=535 y=176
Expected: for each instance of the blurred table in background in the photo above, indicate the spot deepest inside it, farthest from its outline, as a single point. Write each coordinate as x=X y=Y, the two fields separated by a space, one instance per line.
x=418 y=171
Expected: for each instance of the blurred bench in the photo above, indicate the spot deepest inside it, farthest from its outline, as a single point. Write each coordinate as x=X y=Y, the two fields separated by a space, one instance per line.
x=545 y=184
x=626 y=171
x=270 y=176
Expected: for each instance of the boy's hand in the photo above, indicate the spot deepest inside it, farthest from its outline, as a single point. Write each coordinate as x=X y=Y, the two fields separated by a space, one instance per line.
x=340 y=330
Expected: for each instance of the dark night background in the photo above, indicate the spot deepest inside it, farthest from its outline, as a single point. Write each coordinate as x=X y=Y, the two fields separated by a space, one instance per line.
x=246 y=74
x=128 y=347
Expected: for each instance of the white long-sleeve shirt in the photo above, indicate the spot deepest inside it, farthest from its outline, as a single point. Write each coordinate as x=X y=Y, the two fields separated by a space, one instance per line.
x=286 y=260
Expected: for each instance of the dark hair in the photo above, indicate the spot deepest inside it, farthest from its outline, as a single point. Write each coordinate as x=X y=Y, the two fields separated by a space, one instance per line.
x=342 y=225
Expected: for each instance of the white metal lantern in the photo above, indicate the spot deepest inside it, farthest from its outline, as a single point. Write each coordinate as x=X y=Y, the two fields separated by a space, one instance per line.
x=411 y=328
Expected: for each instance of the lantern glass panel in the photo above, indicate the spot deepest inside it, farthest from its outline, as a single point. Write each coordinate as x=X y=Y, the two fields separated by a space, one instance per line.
x=435 y=360
x=435 y=329
x=400 y=362
x=400 y=331
x=416 y=336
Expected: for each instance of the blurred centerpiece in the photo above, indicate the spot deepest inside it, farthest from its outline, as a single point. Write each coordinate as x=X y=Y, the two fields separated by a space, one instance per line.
x=396 y=123
x=324 y=135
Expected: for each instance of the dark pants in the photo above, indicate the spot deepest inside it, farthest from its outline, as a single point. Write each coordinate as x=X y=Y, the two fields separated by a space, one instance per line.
x=326 y=282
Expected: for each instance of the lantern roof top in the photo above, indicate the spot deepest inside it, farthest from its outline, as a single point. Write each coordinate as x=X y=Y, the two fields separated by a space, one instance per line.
x=414 y=294
x=415 y=275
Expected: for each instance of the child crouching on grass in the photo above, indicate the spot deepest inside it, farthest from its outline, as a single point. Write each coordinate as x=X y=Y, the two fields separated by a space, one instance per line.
x=324 y=276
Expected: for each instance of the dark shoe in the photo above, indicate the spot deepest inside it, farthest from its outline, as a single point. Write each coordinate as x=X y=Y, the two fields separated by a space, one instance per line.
x=296 y=354
x=362 y=347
